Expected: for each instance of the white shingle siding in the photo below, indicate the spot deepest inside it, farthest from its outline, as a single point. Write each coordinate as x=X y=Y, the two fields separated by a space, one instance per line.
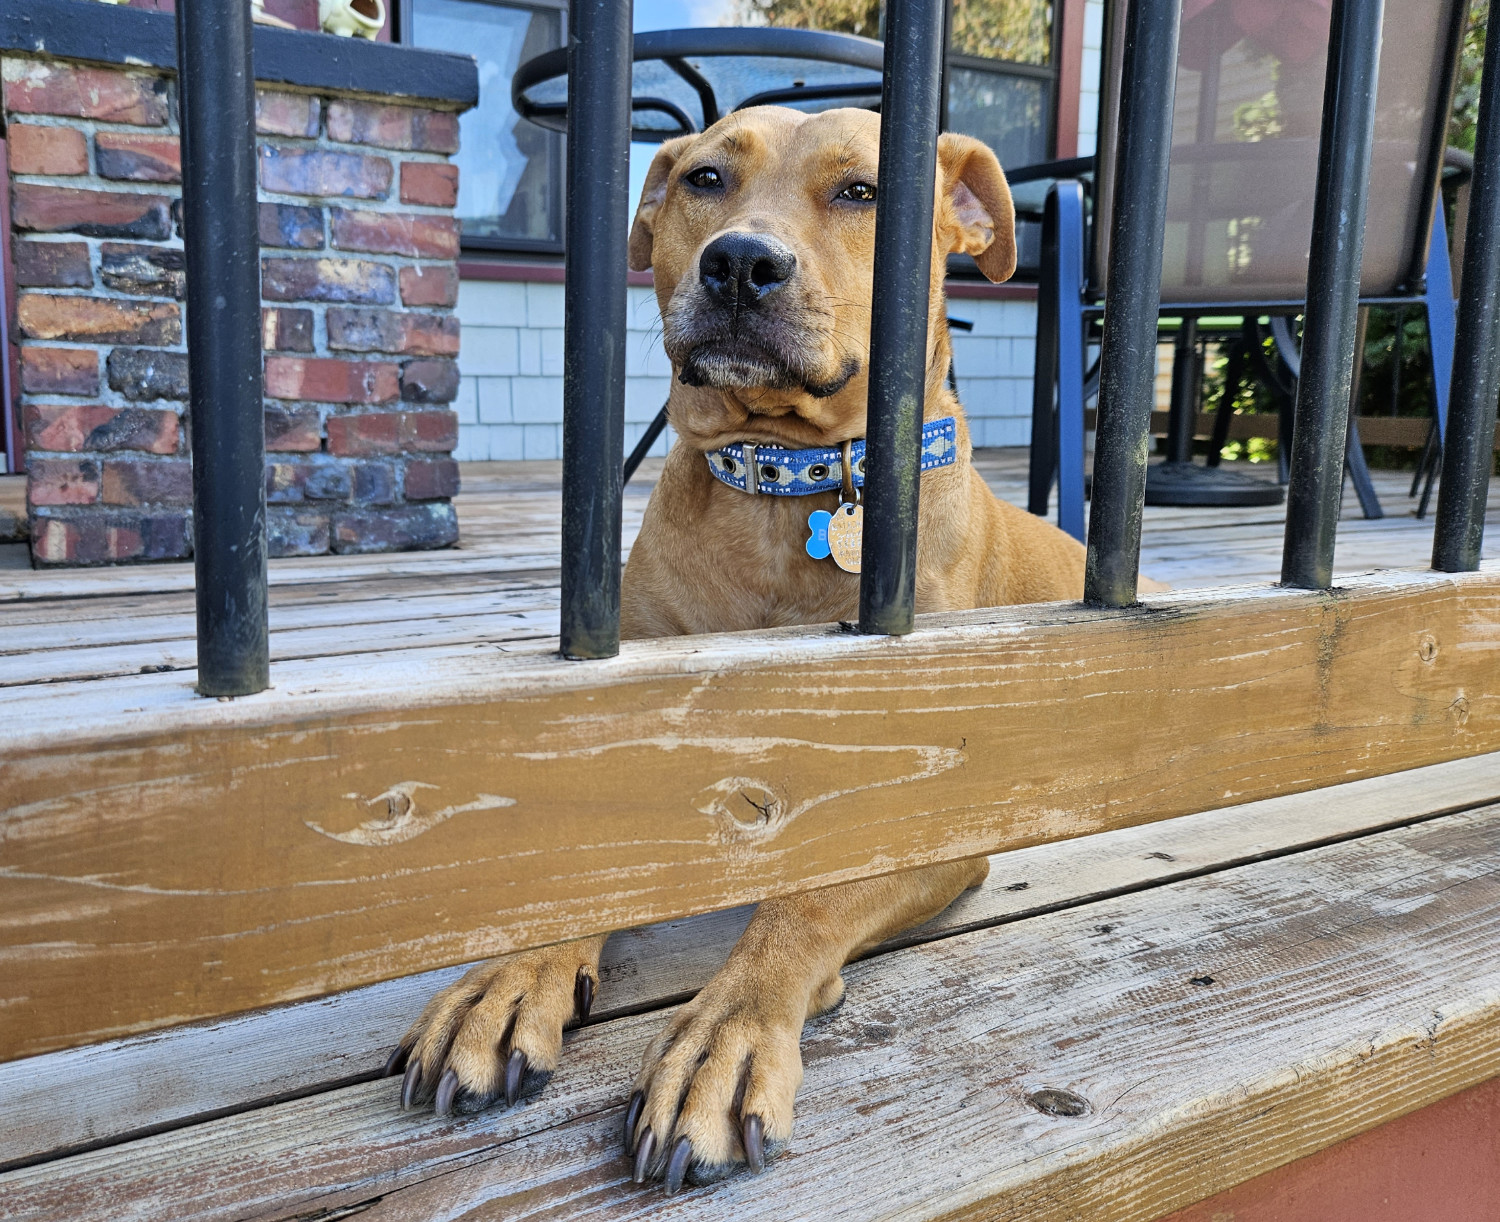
x=1088 y=96
x=510 y=398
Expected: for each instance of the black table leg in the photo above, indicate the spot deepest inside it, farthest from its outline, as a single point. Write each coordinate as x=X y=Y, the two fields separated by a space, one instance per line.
x=1181 y=481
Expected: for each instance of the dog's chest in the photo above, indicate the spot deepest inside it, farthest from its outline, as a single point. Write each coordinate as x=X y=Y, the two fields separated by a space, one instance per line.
x=740 y=562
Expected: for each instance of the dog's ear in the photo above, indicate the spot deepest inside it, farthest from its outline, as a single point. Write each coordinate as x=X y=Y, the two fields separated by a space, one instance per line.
x=653 y=195
x=985 y=217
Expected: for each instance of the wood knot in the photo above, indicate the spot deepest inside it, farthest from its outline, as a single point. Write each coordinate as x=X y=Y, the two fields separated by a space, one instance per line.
x=1053 y=1101
x=743 y=803
x=1427 y=648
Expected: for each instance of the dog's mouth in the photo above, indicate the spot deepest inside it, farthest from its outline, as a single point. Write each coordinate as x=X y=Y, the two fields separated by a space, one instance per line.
x=745 y=365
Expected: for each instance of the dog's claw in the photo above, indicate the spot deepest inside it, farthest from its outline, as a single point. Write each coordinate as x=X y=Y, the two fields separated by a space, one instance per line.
x=447 y=1088
x=643 y=1153
x=677 y=1165
x=396 y=1062
x=515 y=1071
x=583 y=993
x=753 y=1135
x=410 y=1085
x=633 y=1111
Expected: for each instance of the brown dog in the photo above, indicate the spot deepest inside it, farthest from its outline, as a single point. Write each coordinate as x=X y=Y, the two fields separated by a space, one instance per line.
x=761 y=234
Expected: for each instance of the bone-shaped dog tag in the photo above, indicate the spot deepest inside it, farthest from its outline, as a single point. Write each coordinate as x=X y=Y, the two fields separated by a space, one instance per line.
x=817 y=539
x=845 y=536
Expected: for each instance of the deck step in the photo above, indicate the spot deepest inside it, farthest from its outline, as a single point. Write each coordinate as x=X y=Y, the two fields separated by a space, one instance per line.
x=106 y=1093
x=1218 y=1026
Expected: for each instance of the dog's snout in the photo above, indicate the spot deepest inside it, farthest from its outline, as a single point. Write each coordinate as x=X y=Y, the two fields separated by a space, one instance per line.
x=745 y=268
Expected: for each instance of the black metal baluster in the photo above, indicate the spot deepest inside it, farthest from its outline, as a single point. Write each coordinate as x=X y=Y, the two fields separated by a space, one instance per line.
x=1127 y=362
x=219 y=225
x=1328 y=333
x=898 y=317
x=598 y=180
x=1468 y=452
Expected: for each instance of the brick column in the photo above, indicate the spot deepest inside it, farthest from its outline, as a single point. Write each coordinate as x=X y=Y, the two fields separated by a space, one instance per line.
x=358 y=280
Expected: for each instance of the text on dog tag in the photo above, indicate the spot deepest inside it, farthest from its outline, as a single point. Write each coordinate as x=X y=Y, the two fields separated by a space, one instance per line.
x=845 y=536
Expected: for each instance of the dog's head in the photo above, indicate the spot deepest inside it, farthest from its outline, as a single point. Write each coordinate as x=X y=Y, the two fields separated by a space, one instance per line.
x=761 y=234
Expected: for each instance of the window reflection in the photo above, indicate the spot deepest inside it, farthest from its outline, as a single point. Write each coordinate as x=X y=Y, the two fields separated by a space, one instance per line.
x=1001 y=87
x=1015 y=30
x=509 y=170
x=1250 y=79
x=1009 y=113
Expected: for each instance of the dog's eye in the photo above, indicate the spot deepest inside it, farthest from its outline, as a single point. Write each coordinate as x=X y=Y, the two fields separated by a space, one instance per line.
x=707 y=178
x=859 y=192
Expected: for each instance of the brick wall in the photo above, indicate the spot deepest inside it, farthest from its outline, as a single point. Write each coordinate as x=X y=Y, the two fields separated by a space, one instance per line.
x=358 y=282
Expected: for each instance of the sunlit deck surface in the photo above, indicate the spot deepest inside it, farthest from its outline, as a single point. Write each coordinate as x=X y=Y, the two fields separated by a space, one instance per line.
x=500 y=585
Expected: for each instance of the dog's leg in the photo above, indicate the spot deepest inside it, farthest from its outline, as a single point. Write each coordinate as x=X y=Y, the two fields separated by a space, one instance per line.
x=716 y=1087
x=498 y=1031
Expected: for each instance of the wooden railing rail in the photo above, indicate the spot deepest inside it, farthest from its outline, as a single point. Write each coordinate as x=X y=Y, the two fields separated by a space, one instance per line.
x=373 y=816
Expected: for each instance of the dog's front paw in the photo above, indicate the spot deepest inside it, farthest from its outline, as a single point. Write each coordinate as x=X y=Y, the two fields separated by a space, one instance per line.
x=716 y=1088
x=498 y=1031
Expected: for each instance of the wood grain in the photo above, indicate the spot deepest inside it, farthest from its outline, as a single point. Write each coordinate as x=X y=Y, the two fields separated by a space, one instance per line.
x=1218 y=1027
x=168 y=858
x=105 y=1092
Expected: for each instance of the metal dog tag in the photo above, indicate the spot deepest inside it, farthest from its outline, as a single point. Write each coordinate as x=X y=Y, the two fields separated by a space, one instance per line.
x=845 y=535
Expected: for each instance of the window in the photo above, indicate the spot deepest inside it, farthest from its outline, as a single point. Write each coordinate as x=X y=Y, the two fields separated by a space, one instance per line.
x=1002 y=82
x=510 y=192
x=1001 y=78
x=1001 y=87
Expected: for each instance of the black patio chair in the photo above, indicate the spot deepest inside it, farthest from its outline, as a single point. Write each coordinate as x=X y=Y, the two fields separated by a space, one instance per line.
x=1239 y=218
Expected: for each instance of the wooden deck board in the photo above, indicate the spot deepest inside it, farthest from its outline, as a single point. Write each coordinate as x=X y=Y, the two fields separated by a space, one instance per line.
x=108 y=1091
x=509 y=515
x=1354 y=983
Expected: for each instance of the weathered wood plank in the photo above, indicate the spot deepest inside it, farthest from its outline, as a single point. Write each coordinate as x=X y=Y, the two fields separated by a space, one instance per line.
x=1341 y=988
x=103 y=1092
x=167 y=858
x=478 y=628
x=79 y=623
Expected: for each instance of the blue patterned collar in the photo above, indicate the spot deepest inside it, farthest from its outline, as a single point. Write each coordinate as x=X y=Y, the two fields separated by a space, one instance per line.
x=804 y=472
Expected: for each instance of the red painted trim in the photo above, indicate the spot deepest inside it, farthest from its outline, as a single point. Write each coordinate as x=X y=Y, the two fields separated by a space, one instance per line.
x=519 y=272
x=1440 y=1163
x=991 y=292
x=516 y=272
x=1069 y=79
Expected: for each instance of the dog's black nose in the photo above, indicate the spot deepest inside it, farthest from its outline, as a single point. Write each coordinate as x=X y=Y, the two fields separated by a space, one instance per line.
x=745 y=268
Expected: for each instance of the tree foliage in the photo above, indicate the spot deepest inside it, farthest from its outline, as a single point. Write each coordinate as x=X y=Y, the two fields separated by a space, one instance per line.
x=845 y=16
x=1470 y=69
x=996 y=29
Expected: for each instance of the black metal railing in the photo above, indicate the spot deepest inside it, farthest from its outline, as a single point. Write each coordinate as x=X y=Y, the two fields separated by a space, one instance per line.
x=1320 y=424
x=598 y=179
x=910 y=103
x=216 y=91
x=1127 y=356
x=1468 y=454
x=219 y=222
